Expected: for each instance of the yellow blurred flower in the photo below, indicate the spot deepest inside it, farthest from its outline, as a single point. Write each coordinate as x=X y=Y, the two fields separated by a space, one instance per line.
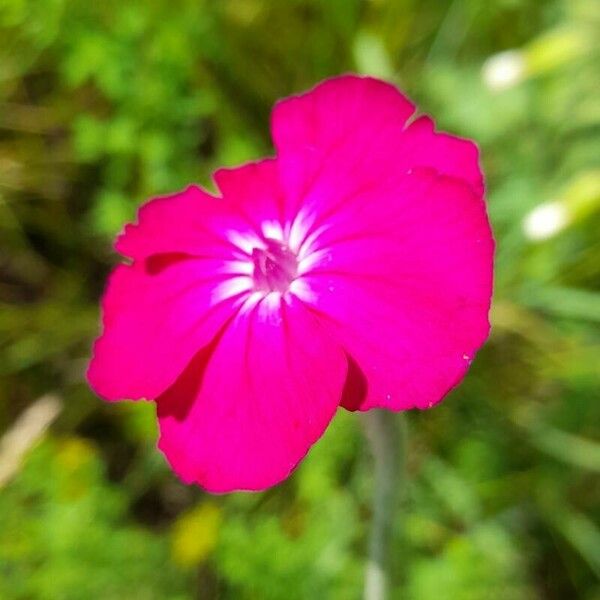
x=195 y=533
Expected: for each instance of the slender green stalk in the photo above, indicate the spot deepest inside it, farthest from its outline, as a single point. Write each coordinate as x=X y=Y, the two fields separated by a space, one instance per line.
x=385 y=432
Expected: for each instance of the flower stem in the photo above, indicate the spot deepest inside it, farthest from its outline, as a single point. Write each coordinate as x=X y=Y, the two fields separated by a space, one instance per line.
x=385 y=432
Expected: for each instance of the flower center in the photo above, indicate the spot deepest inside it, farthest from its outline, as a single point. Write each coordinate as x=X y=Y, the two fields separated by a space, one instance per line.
x=275 y=267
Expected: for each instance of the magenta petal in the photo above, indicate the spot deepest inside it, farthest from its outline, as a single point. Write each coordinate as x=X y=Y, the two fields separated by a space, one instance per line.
x=350 y=134
x=156 y=315
x=404 y=278
x=349 y=108
x=421 y=145
x=265 y=395
x=253 y=191
x=191 y=222
x=336 y=129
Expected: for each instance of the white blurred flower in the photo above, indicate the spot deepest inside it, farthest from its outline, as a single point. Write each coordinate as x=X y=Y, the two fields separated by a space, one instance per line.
x=504 y=70
x=546 y=220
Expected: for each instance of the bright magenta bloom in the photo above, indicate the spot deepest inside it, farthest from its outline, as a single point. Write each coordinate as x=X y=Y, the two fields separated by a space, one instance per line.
x=353 y=269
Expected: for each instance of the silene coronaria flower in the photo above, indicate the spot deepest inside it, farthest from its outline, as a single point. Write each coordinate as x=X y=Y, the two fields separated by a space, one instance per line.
x=353 y=269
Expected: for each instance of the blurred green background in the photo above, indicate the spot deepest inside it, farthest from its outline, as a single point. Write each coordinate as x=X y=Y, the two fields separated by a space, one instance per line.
x=104 y=104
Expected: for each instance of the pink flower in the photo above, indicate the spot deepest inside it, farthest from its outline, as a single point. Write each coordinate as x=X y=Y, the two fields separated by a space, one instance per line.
x=354 y=269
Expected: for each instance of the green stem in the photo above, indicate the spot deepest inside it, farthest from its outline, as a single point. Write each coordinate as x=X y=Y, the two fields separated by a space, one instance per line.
x=385 y=432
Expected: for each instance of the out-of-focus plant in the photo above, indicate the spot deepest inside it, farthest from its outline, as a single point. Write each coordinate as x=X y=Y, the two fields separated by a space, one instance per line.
x=63 y=533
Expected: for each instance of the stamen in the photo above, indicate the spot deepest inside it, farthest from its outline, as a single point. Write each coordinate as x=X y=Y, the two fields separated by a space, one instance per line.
x=275 y=267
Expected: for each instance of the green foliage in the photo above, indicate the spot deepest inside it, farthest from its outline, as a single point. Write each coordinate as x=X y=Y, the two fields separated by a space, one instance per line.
x=104 y=104
x=305 y=547
x=61 y=522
